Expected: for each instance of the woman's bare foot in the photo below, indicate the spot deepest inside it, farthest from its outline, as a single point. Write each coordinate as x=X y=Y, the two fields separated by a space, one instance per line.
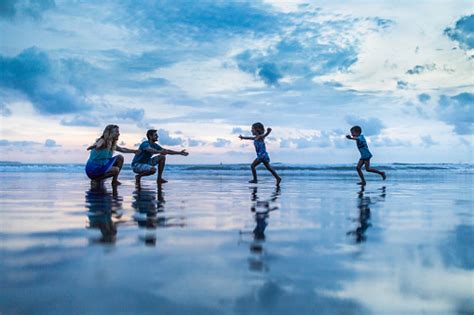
x=361 y=183
x=253 y=181
x=384 y=177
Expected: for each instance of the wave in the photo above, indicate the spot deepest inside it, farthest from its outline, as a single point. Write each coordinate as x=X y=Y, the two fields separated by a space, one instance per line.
x=6 y=167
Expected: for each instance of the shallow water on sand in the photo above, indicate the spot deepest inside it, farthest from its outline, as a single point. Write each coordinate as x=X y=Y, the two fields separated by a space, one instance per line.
x=212 y=244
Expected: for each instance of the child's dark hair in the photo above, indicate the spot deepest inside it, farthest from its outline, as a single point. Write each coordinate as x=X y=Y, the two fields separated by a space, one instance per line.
x=357 y=129
x=259 y=128
x=150 y=133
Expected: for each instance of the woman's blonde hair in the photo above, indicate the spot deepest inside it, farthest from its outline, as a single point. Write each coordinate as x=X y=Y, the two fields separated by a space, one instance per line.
x=109 y=142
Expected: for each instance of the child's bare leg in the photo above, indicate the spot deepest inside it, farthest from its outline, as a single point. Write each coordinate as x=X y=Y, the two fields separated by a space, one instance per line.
x=254 y=165
x=118 y=163
x=161 y=168
x=274 y=173
x=373 y=170
x=359 y=171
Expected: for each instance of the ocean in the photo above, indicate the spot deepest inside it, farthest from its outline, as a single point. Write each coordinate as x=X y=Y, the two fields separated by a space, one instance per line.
x=208 y=242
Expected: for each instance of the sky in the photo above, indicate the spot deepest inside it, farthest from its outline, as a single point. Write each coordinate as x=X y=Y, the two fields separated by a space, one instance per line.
x=202 y=72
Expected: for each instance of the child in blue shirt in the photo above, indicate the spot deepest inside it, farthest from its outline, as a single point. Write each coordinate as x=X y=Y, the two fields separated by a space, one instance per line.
x=365 y=155
x=259 y=135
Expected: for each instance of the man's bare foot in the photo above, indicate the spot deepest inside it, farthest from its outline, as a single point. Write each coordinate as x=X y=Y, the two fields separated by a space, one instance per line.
x=361 y=183
x=253 y=181
x=278 y=181
x=161 y=181
x=384 y=177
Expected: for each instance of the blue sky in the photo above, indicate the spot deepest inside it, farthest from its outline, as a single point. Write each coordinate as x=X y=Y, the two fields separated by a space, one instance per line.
x=203 y=71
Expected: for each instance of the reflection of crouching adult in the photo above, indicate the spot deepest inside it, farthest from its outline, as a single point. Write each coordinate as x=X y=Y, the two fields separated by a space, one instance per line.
x=144 y=164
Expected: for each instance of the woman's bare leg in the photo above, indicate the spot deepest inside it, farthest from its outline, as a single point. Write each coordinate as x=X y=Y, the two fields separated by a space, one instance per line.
x=118 y=163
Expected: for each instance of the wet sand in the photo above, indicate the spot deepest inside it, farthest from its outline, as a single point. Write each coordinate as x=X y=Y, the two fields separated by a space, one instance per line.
x=213 y=244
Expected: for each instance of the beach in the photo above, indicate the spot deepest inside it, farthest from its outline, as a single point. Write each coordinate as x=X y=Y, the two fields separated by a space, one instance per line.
x=207 y=242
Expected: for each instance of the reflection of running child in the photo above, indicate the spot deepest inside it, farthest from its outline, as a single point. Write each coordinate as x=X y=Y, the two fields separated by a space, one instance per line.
x=262 y=156
x=365 y=155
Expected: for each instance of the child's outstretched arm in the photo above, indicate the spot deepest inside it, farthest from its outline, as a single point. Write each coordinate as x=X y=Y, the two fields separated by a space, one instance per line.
x=246 y=138
x=259 y=137
x=351 y=137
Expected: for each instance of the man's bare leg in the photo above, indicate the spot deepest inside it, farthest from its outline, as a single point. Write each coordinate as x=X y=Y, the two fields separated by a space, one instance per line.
x=373 y=170
x=146 y=173
x=161 y=168
x=359 y=171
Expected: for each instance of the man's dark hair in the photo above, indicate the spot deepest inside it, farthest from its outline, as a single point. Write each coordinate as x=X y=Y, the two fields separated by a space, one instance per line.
x=150 y=133
x=357 y=129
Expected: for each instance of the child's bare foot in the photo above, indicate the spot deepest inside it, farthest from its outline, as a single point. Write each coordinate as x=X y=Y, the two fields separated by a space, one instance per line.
x=161 y=181
x=384 y=177
x=253 y=181
x=116 y=183
x=361 y=183
x=278 y=181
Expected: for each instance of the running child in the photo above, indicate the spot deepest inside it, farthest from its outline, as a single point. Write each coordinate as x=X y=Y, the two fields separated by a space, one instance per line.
x=259 y=135
x=365 y=155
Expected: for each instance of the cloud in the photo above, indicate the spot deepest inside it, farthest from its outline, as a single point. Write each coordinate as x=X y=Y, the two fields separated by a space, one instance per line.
x=219 y=143
x=44 y=81
x=166 y=139
x=427 y=141
x=4 y=110
x=420 y=69
x=424 y=97
x=322 y=141
x=237 y=131
x=312 y=47
x=457 y=110
x=80 y=120
x=370 y=126
x=18 y=143
x=402 y=85
x=29 y=8
x=50 y=143
x=462 y=32
x=195 y=143
x=390 y=142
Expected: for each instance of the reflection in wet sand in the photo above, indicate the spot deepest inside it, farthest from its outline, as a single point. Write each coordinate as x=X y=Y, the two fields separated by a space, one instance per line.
x=261 y=210
x=104 y=212
x=363 y=220
x=149 y=206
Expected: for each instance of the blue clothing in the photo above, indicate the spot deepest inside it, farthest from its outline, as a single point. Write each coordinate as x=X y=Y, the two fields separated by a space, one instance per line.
x=261 y=150
x=144 y=157
x=363 y=148
x=99 y=163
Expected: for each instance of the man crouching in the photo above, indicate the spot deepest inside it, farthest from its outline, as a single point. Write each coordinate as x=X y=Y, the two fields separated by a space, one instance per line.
x=144 y=164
